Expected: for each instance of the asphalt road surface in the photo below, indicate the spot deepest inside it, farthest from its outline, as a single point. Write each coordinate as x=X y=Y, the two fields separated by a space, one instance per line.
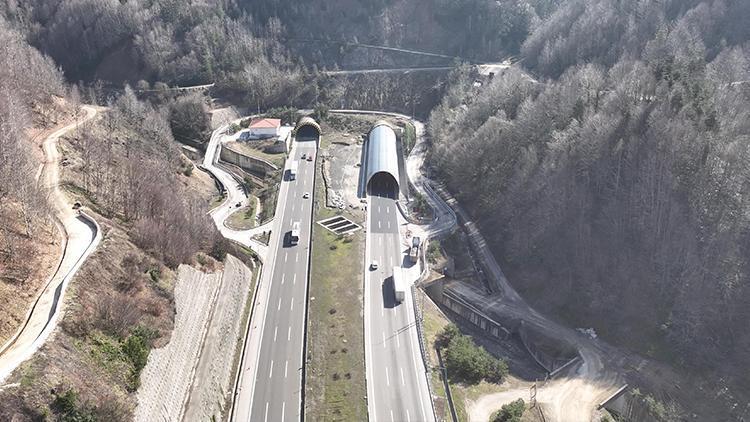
x=396 y=379
x=275 y=384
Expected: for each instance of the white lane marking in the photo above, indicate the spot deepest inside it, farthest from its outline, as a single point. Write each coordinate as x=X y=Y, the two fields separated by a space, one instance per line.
x=292 y=307
x=270 y=374
x=275 y=330
x=265 y=418
x=289 y=333
x=286 y=255
x=403 y=382
x=398 y=342
x=283 y=410
x=389 y=224
x=296 y=258
x=304 y=182
x=378 y=209
x=378 y=224
x=392 y=420
x=282 y=278
x=292 y=207
x=383 y=340
x=279 y=307
x=294 y=280
x=380 y=241
x=408 y=418
x=387 y=378
x=387 y=210
x=286 y=366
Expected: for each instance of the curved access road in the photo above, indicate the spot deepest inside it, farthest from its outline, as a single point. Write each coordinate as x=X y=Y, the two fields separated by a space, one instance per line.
x=235 y=195
x=81 y=235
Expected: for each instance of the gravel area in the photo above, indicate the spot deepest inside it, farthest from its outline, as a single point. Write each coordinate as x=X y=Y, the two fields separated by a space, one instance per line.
x=342 y=174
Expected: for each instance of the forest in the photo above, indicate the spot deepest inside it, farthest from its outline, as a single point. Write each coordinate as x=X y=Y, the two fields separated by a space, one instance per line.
x=614 y=186
x=609 y=167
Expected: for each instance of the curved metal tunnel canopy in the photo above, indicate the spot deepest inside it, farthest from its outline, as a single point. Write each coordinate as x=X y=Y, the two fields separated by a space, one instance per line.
x=382 y=159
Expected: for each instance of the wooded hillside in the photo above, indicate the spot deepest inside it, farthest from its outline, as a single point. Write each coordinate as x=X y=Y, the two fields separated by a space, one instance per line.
x=617 y=194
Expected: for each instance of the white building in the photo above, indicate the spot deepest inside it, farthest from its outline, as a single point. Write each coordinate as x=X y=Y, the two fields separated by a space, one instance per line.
x=261 y=129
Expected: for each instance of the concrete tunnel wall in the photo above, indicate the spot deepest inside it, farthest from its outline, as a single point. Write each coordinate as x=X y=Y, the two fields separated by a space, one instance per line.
x=382 y=153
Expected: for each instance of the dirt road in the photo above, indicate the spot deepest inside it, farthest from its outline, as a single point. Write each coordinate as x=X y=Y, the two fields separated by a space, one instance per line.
x=80 y=235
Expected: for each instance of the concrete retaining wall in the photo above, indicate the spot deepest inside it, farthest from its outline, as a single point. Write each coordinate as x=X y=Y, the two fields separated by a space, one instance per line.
x=474 y=315
x=250 y=164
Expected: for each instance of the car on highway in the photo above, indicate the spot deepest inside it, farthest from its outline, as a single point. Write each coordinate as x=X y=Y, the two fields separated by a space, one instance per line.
x=303 y=156
x=305 y=195
x=374 y=265
x=309 y=157
x=292 y=237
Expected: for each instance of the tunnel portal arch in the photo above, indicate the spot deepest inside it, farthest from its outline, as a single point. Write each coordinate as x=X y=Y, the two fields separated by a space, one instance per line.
x=382 y=160
x=307 y=129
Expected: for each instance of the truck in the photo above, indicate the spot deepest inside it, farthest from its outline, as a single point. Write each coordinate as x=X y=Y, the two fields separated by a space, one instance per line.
x=294 y=234
x=414 y=249
x=399 y=284
x=293 y=169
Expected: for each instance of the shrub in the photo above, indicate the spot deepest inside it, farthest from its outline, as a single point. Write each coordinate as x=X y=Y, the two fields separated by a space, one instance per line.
x=220 y=248
x=70 y=410
x=468 y=362
x=511 y=412
x=135 y=349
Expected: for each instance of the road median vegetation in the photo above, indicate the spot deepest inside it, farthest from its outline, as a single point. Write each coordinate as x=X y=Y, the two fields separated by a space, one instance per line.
x=335 y=385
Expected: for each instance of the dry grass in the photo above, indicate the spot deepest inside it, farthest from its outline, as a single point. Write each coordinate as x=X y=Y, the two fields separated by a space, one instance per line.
x=335 y=383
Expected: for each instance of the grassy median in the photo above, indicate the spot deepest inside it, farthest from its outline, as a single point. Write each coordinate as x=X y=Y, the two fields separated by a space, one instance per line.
x=335 y=385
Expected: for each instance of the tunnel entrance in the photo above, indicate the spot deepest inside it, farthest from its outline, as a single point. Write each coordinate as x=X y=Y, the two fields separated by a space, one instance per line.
x=383 y=184
x=307 y=129
x=308 y=133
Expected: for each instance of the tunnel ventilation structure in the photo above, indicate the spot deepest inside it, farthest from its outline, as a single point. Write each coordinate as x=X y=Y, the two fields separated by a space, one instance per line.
x=381 y=160
x=307 y=129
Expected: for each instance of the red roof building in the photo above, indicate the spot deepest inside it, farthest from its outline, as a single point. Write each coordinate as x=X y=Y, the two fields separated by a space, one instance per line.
x=265 y=124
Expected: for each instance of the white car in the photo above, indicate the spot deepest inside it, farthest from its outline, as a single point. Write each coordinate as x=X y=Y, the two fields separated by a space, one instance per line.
x=374 y=265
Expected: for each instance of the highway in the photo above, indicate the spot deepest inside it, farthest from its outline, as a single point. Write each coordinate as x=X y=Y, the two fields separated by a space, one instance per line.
x=396 y=377
x=270 y=384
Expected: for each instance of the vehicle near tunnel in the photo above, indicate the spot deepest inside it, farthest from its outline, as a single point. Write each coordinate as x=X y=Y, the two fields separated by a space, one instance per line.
x=399 y=285
x=292 y=172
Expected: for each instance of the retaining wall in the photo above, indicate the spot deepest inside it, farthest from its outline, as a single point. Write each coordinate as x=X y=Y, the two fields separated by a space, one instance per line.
x=473 y=315
x=251 y=164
